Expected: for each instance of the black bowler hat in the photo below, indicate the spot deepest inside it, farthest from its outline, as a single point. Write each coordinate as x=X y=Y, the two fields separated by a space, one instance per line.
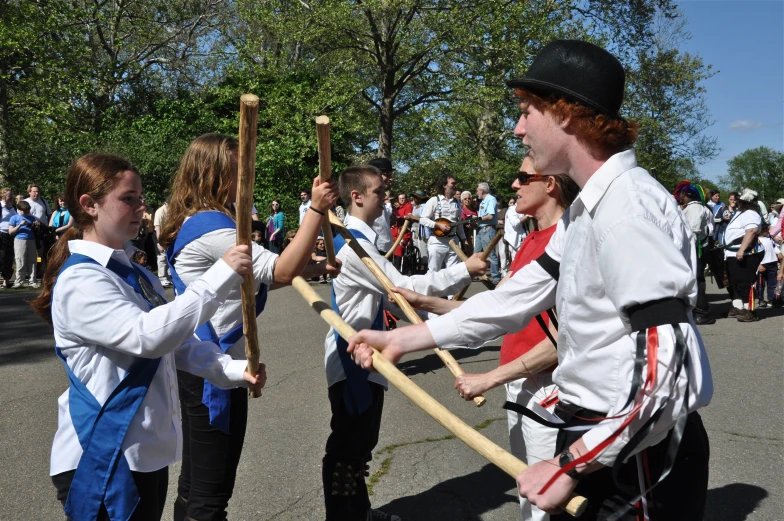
x=578 y=71
x=382 y=163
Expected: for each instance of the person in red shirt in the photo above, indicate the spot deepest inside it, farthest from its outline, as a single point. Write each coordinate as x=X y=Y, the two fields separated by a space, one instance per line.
x=403 y=208
x=527 y=357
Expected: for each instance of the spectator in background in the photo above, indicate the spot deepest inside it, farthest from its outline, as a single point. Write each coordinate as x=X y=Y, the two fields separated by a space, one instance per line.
x=488 y=218
x=19 y=198
x=443 y=207
x=304 y=196
x=775 y=212
x=163 y=267
x=768 y=267
x=717 y=209
x=6 y=241
x=404 y=208
x=61 y=219
x=730 y=209
x=275 y=224
x=256 y=237
x=700 y=222
x=468 y=211
x=320 y=255
x=514 y=231
x=41 y=210
x=382 y=225
x=20 y=226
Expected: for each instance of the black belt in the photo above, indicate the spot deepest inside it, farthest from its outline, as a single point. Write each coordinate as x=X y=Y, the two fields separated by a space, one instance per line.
x=657 y=313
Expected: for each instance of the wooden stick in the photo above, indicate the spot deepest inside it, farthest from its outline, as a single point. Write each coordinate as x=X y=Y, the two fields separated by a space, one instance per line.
x=325 y=173
x=485 y=254
x=476 y=441
x=249 y=116
x=399 y=299
x=463 y=257
x=401 y=233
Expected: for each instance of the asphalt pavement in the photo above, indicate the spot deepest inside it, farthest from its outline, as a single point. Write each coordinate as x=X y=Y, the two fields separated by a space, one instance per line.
x=419 y=472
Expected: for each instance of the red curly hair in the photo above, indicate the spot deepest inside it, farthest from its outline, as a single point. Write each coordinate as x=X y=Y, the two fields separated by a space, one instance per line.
x=593 y=129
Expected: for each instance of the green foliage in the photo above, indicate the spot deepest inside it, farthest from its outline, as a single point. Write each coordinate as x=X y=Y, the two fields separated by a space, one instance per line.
x=761 y=169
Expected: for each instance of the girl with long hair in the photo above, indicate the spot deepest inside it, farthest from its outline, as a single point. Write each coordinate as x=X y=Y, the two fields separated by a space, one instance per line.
x=198 y=229
x=120 y=341
x=275 y=227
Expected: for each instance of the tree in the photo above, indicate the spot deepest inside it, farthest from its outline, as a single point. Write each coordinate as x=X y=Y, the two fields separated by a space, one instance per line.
x=761 y=169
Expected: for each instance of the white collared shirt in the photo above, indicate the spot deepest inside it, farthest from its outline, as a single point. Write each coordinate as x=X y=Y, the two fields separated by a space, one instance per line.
x=514 y=233
x=382 y=230
x=600 y=278
x=358 y=293
x=102 y=325
x=200 y=255
x=439 y=207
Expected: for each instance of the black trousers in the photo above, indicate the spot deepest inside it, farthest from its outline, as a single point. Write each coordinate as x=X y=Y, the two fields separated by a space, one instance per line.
x=349 y=448
x=6 y=256
x=680 y=496
x=209 y=456
x=151 y=486
x=742 y=275
x=702 y=298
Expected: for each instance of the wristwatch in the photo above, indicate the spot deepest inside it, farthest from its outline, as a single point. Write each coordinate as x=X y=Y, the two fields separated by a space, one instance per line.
x=564 y=459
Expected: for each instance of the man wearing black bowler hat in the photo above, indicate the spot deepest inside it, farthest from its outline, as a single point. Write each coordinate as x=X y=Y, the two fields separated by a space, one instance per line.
x=632 y=368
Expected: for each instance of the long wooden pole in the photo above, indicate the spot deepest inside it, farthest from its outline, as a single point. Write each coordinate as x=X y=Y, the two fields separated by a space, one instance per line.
x=476 y=441
x=485 y=254
x=249 y=116
x=325 y=173
x=399 y=299
x=400 y=234
x=463 y=257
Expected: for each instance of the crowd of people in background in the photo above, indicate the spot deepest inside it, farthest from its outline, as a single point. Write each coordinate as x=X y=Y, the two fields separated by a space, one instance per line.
x=738 y=241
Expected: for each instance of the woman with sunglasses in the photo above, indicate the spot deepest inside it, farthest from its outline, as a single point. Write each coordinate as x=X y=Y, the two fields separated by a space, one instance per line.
x=527 y=357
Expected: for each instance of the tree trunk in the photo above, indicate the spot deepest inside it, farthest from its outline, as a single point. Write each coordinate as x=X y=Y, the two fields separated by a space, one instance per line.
x=3 y=133
x=486 y=129
x=387 y=123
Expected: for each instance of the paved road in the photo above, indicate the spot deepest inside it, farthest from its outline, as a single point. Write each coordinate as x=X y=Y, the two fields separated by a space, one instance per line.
x=420 y=473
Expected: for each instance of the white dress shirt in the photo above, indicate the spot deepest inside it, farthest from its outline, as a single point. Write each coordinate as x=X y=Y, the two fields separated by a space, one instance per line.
x=439 y=207
x=200 y=255
x=358 y=293
x=600 y=278
x=514 y=233
x=381 y=227
x=102 y=325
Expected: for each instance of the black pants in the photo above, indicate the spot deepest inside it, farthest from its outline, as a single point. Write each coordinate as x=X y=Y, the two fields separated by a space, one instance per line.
x=742 y=275
x=6 y=256
x=151 y=486
x=349 y=448
x=209 y=456
x=702 y=298
x=679 y=497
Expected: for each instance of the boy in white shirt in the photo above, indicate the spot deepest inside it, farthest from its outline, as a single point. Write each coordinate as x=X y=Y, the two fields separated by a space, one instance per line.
x=768 y=267
x=357 y=396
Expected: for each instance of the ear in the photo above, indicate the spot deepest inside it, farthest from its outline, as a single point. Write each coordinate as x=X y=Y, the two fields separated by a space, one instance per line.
x=551 y=185
x=565 y=123
x=88 y=205
x=356 y=197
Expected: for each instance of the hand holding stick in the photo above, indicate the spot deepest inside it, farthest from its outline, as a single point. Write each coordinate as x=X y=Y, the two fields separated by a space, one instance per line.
x=399 y=299
x=325 y=173
x=249 y=116
x=401 y=233
x=485 y=254
x=476 y=441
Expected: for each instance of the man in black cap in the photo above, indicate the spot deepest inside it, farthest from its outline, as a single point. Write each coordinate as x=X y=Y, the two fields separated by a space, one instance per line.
x=382 y=225
x=632 y=368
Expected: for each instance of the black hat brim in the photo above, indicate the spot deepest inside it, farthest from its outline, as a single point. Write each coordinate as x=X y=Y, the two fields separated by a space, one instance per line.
x=544 y=88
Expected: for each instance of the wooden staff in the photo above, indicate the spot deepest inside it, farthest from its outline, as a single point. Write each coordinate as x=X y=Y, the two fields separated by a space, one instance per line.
x=485 y=254
x=476 y=441
x=325 y=173
x=249 y=116
x=399 y=299
x=399 y=239
x=463 y=257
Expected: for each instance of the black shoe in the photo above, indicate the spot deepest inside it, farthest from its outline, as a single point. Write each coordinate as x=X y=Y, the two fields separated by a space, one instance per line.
x=378 y=515
x=702 y=320
x=747 y=316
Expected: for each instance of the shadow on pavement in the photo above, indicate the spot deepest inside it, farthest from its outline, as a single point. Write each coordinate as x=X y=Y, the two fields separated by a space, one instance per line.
x=431 y=362
x=733 y=502
x=458 y=499
x=26 y=338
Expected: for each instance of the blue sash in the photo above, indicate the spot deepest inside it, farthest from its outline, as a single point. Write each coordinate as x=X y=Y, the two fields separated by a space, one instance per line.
x=103 y=474
x=217 y=400
x=356 y=393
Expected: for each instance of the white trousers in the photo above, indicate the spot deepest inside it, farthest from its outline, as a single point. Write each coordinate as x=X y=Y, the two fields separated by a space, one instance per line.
x=528 y=440
x=438 y=251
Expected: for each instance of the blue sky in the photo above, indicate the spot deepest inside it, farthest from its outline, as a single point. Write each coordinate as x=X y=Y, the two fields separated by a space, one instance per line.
x=744 y=41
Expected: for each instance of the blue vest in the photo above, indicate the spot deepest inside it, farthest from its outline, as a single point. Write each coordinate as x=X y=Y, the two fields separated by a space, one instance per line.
x=103 y=474
x=356 y=393
x=217 y=400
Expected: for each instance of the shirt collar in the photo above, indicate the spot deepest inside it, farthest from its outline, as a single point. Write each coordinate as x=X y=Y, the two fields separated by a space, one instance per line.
x=600 y=181
x=359 y=225
x=98 y=252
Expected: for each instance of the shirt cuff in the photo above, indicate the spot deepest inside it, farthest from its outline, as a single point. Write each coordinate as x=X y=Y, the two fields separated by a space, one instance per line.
x=221 y=279
x=444 y=330
x=235 y=372
x=597 y=435
x=459 y=274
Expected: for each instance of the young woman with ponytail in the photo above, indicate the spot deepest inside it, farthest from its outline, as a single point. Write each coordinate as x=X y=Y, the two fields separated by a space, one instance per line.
x=120 y=342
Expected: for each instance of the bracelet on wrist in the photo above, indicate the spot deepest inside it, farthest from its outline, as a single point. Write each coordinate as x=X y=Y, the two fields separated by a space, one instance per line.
x=317 y=211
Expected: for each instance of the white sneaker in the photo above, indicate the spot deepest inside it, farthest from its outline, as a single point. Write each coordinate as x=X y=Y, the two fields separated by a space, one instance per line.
x=165 y=283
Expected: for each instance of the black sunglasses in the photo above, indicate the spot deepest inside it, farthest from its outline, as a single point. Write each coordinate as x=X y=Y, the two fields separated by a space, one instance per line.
x=523 y=178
